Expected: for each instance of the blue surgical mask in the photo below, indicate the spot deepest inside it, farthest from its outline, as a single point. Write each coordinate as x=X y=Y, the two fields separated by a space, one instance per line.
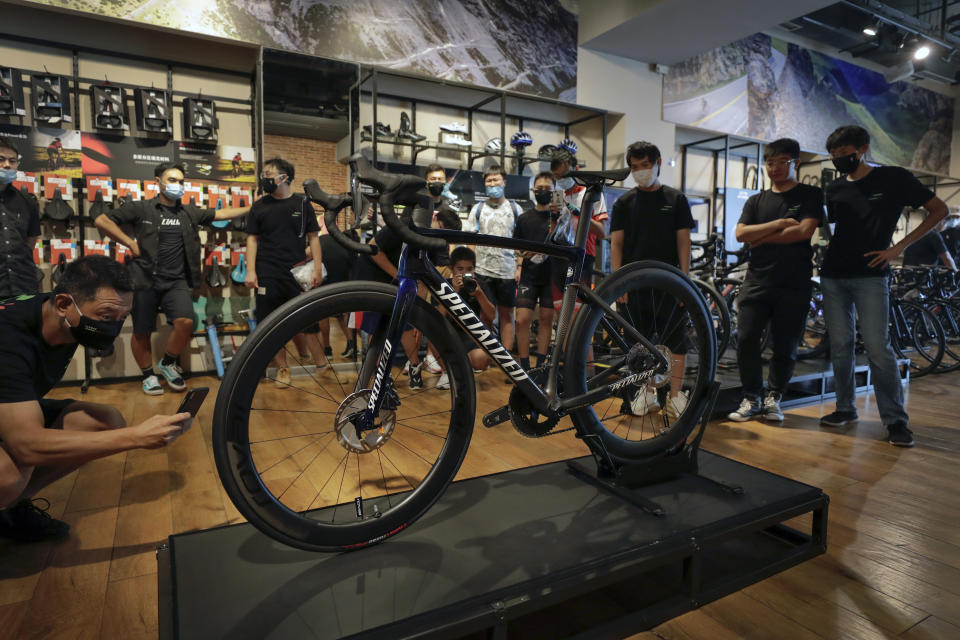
x=173 y=191
x=565 y=183
x=495 y=191
x=7 y=176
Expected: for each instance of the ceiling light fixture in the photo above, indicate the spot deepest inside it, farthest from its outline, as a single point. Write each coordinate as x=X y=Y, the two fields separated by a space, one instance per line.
x=870 y=30
x=922 y=52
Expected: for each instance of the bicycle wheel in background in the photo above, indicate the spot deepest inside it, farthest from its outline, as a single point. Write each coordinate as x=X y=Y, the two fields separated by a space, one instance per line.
x=290 y=457
x=919 y=337
x=647 y=419
x=719 y=314
x=814 y=341
x=948 y=315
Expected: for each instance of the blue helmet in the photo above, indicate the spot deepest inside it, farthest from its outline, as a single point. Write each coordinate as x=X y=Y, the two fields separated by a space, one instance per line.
x=568 y=145
x=521 y=139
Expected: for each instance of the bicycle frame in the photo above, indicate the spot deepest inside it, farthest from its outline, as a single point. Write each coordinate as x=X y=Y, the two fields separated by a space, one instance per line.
x=412 y=270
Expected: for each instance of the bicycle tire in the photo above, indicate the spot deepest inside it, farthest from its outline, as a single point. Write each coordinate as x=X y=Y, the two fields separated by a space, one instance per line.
x=236 y=458
x=633 y=277
x=927 y=339
x=948 y=315
x=814 y=343
x=719 y=313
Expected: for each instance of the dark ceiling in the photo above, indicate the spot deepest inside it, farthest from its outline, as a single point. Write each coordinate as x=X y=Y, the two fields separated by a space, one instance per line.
x=901 y=27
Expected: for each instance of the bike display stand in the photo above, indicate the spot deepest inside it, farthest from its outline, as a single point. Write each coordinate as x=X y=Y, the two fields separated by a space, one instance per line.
x=530 y=553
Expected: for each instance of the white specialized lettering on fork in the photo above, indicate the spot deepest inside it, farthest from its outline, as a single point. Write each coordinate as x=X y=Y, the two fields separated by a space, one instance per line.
x=381 y=370
x=482 y=335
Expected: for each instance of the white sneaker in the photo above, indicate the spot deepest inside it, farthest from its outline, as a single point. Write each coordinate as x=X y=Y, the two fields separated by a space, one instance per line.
x=458 y=140
x=771 y=407
x=677 y=404
x=431 y=365
x=444 y=381
x=151 y=386
x=643 y=402
x=456 y=127
x=406 y=368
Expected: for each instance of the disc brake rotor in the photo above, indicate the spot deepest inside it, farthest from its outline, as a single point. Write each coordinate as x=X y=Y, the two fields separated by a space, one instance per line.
x=350 y=436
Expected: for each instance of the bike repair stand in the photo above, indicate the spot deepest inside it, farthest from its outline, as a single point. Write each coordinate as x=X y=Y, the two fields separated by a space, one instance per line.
x=623 y=479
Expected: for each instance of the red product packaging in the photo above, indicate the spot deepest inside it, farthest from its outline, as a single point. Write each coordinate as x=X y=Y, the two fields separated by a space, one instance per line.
x=38 y=252
x=99 y=184
x=241 y=196
x=121 y=252
x=30 y=181
x=217 y=196
x=53 y=182
x=192 y=194
x=236 y=250
x=127 y=187
x=222 y=251
x=59 y=247
x=96 y=247
x=151 y=190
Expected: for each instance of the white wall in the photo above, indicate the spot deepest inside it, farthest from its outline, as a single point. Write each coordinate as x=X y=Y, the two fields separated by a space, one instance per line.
x=628 y=86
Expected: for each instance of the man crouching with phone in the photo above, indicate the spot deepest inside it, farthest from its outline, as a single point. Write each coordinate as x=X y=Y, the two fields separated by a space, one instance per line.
x=42 y=440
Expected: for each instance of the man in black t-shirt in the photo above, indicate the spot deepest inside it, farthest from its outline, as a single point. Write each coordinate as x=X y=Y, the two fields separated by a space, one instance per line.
x=165 y=267
x=280 y=226
x=534 y=286
x=653 y=222
x=931 y=249
x=778 y=224
x=42 y=440
x=19 y=228
x=865 y=206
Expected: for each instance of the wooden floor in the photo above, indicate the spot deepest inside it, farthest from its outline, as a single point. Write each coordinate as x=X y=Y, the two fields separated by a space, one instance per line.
x=892 y=569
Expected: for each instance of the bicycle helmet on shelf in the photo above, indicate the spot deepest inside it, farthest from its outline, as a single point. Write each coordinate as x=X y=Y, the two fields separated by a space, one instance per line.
x=546 y=152
x=568 y=145
x=494 y=145
x=521 y=139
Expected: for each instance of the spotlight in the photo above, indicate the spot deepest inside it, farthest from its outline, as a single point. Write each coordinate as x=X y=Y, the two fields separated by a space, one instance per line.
x=922 y=52
x=870 y=30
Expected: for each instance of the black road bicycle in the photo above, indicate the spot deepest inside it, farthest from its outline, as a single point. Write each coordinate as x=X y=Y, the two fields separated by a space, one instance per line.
x=349 y=456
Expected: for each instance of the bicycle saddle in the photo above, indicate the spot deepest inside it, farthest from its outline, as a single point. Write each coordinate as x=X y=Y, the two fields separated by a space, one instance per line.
x=58 y=270
x=220 y=224
x=332 y=205
x=239 y=274
x=57 y=208
x=599 y=177
x=215 y=277
x=99 y=206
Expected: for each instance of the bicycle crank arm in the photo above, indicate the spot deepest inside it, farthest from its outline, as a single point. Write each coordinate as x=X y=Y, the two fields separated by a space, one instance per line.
x=497 y=416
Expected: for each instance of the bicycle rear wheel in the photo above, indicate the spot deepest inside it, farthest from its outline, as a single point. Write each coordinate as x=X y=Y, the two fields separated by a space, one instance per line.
x=948 y=315
x=814 y=341
x=651 y=418
x=291 y=459
x=719 y=314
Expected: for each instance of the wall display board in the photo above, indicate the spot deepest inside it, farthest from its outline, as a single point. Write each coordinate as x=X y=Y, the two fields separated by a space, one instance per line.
x=765 y=88
x=213 y=162
x=128 y=157
x=46 y=150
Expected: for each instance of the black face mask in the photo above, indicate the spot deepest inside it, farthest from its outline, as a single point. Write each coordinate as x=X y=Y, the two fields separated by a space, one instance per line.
x=96 y=334
x=543 y=196
x=268 y=185
x=435 y=188
x=846 y=164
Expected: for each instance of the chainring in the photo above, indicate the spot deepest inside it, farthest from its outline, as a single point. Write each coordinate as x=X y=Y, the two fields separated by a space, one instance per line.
x=525 y=418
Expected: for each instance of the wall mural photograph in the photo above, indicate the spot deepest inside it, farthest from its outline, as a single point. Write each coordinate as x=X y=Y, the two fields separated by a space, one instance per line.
x=765 y=88
x=520 y=45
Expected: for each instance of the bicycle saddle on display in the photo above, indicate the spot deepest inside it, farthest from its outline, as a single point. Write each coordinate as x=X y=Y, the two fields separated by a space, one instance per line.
x=239 y=274
x=220 y=224
x=57 y=209
x=99 y=206
x=58 y=270
x=215 y=277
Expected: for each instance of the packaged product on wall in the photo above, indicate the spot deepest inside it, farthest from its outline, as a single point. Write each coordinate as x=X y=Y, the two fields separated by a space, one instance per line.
x=38 y=252
x=192 y=194
x=99 y=184
x=221 y=251
x=121 y=252
x=127 y=187
x=52 y=182
x=96 y=247
x=65 y=247
x=241 y=196
x=150 y=190
x=217 y=196
x=28 y=180
x=237 y=249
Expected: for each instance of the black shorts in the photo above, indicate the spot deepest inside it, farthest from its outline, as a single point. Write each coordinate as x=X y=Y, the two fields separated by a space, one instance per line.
x=173 y=298
x=530 y=294
x=502 y=290
x=278 y=292
x=660 y=319
x=51 y=411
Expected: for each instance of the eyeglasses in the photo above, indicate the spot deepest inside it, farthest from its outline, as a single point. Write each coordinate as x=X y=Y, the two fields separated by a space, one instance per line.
x=777 y=164
x=11 y=160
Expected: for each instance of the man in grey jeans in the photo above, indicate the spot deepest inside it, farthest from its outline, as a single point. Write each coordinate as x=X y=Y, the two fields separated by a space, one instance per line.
x=865 y=204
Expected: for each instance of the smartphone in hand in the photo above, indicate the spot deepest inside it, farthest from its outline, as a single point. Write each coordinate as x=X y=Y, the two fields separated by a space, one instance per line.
x=192 y=402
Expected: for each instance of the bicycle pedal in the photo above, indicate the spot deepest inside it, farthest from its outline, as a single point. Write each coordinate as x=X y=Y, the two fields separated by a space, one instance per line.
x=497 y=416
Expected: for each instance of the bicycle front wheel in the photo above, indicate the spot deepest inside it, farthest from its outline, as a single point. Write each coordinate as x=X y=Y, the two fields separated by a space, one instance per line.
x=646 y=419
x=719 y=314
x=288 y=453
x=919 y=340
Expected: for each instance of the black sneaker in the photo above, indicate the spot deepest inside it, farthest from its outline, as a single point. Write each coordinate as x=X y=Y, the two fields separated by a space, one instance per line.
x=27 y=522
x=416 y=380
x=839 y=418
x=328 y=351
x=350 y=351
x=899 y=435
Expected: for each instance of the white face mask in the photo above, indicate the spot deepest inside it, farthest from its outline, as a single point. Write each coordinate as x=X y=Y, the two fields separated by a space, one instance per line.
x=644 y=177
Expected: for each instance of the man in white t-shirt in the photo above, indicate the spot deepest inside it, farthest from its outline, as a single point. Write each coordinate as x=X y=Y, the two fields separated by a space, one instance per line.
x=497 y=267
